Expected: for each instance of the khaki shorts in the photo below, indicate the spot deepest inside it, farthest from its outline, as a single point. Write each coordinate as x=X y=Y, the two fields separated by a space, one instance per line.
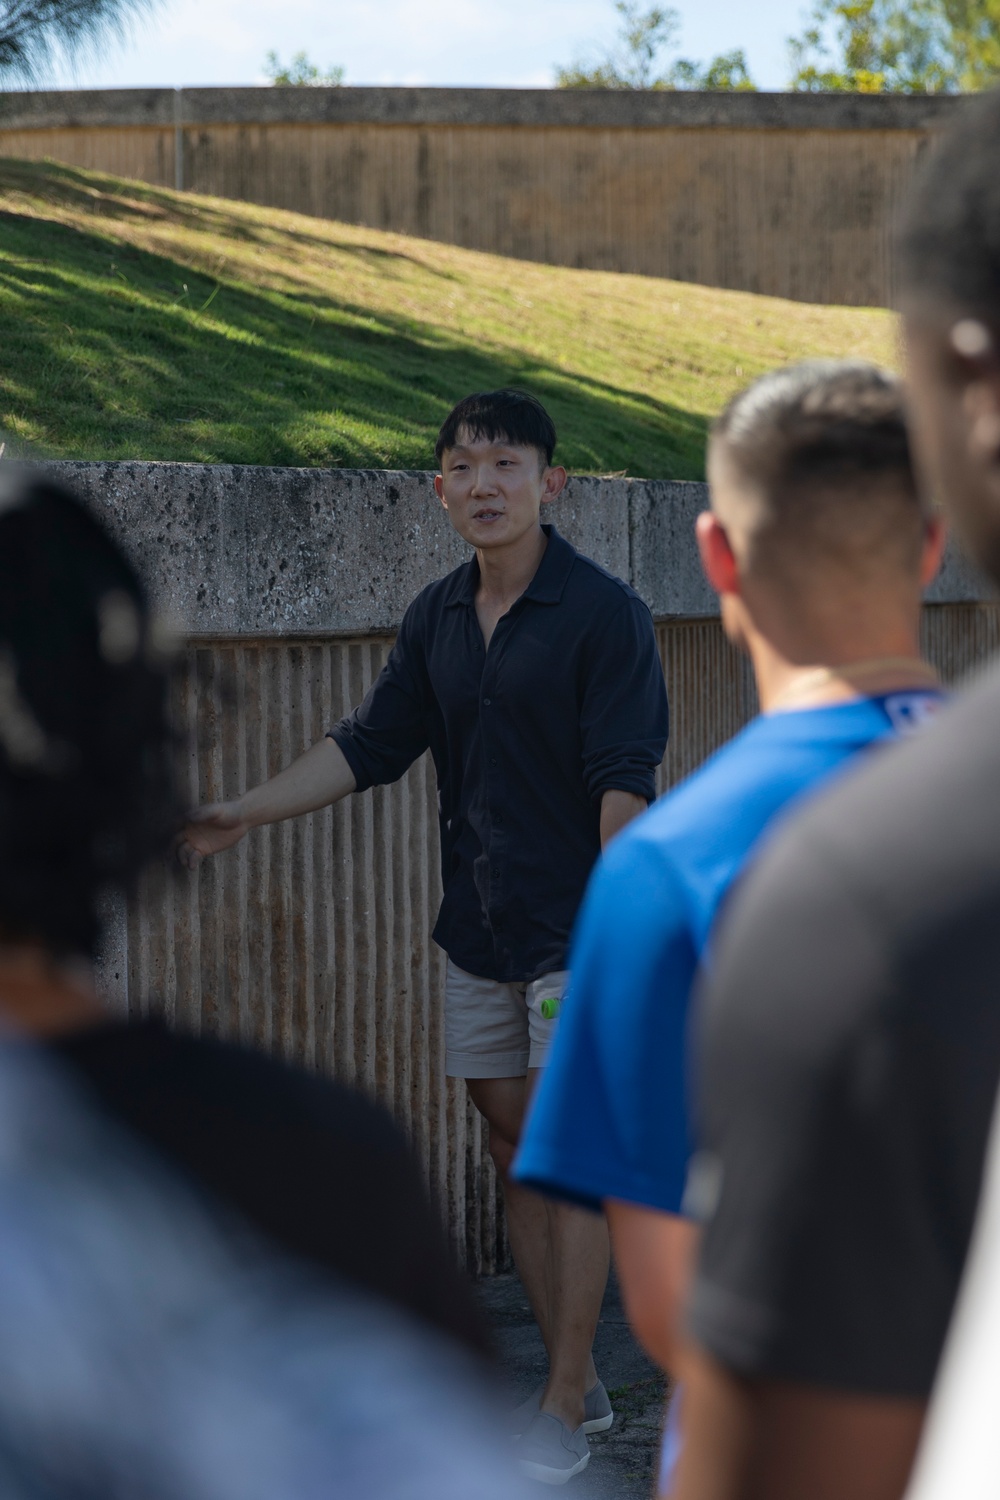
x=495 y=1030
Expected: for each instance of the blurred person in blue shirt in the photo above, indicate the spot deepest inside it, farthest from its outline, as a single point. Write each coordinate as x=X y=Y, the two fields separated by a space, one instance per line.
x=153 y=1348
x=819 y=547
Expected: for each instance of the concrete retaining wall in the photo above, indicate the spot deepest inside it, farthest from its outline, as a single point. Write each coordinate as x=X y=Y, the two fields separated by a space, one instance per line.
x=313 y=938
x=237 y=550
x=786 y=194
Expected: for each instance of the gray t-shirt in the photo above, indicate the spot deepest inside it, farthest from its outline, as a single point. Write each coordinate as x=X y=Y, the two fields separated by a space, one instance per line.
x=848 y=1059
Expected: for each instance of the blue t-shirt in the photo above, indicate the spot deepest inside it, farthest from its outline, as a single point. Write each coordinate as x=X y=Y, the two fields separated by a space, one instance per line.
x=610 y=1116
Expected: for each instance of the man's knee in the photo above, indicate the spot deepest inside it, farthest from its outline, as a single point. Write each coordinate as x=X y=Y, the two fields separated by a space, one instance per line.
x=500 y=1101
x=502 y=1151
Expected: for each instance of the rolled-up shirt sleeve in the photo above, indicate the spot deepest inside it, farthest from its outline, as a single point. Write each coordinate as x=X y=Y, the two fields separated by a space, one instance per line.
x=384 y=736
x=623 y=713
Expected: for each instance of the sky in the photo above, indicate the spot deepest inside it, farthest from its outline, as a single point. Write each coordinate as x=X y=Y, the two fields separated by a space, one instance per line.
x=506 y=43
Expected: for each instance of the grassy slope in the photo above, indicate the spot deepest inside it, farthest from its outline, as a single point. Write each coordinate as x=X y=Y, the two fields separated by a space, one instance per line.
x=141 y=323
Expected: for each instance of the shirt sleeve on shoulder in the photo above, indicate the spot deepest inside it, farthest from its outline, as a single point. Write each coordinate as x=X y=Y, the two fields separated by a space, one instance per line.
x=609 y=1118
x=384 y=736
x=821 y=1258
x=623 y=712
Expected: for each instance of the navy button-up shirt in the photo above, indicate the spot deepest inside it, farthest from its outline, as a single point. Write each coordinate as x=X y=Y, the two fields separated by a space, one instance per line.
x=568 y=702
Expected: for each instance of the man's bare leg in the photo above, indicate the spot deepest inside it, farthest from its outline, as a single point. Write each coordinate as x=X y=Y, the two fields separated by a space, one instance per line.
x=501 y=1102
x=576 y=1274
x=561 y=1254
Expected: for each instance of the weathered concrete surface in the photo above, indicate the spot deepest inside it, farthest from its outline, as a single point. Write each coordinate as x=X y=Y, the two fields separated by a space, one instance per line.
x=624 y=1459
x=240 y=551
x=665 y=568
x=599 y=108
x=233 y=550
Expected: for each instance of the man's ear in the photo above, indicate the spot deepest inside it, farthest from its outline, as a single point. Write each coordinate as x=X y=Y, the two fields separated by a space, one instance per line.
x=717 y=560
x=439 y=489
x=553 y=482
x=935 y=538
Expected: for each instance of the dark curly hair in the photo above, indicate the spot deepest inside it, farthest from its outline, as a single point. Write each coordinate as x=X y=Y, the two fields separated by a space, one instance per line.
x=86 y=784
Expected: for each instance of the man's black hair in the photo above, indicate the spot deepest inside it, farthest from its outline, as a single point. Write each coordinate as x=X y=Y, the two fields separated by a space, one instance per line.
x=949 y=238
x=499 y=416
x=86 y=784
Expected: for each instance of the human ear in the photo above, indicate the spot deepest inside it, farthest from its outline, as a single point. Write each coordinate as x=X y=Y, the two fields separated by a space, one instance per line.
x=439 y=489
x=717 y=559
x=553 y=482
x=935 y=537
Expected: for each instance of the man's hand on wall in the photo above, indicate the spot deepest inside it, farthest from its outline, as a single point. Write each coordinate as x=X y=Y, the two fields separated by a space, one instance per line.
x=209 y=830
x=318 y=778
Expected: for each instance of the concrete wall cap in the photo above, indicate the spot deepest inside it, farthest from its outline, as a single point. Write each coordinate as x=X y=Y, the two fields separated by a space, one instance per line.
x=601 y=108
x=235 y=550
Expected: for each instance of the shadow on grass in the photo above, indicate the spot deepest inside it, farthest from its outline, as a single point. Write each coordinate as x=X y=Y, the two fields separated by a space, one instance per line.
x=114 y=352
x=96 y=193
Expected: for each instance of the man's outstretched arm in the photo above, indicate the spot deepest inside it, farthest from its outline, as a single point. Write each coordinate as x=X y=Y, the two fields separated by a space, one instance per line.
x=318 y=778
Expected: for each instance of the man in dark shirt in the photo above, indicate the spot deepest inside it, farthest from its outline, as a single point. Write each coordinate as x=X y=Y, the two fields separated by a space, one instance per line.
x=850 y=1030
x=533 y=678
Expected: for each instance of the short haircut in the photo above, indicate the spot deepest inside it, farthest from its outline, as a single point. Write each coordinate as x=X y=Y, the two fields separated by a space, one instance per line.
x=948 y=241
x=499 y=416
x=822 y=456
x=86 y=755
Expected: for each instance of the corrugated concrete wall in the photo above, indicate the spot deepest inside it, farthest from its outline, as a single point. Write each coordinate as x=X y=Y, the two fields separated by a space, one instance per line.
x=790 y=195
x=313 y=938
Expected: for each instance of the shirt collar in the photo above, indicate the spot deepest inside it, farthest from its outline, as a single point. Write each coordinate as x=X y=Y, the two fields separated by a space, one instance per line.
x=545 y=588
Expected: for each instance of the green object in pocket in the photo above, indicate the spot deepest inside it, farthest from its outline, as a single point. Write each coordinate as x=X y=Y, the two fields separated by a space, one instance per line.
x=549 y=1008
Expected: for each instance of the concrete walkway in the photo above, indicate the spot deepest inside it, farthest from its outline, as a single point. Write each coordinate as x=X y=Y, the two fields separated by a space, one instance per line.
x=623 y=1461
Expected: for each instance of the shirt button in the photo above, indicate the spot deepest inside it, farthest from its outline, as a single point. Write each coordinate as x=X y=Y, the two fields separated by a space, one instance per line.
x=496 y=874
x=497 y=818
x=493 y=760
x=487 y=702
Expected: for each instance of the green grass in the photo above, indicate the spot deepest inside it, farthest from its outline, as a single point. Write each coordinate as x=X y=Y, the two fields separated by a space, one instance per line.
x=141 y=323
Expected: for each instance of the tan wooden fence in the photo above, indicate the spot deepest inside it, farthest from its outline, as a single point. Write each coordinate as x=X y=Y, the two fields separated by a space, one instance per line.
x=792 y=195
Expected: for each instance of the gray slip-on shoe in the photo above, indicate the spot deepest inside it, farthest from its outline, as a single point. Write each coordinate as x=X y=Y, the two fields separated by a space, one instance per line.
x=597 y=1413
x=549 y=1452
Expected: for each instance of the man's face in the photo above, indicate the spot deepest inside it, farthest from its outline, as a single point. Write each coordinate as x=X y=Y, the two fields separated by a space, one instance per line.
x=954 y=419
x=493 y=491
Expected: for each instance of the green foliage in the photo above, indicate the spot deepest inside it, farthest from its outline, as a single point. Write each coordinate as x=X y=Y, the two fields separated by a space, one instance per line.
x=33 y=33
x=975 y=41
x=300 y=72
x=727 y=72
x=142 y=323
x=898 y=46
x=643 y=35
